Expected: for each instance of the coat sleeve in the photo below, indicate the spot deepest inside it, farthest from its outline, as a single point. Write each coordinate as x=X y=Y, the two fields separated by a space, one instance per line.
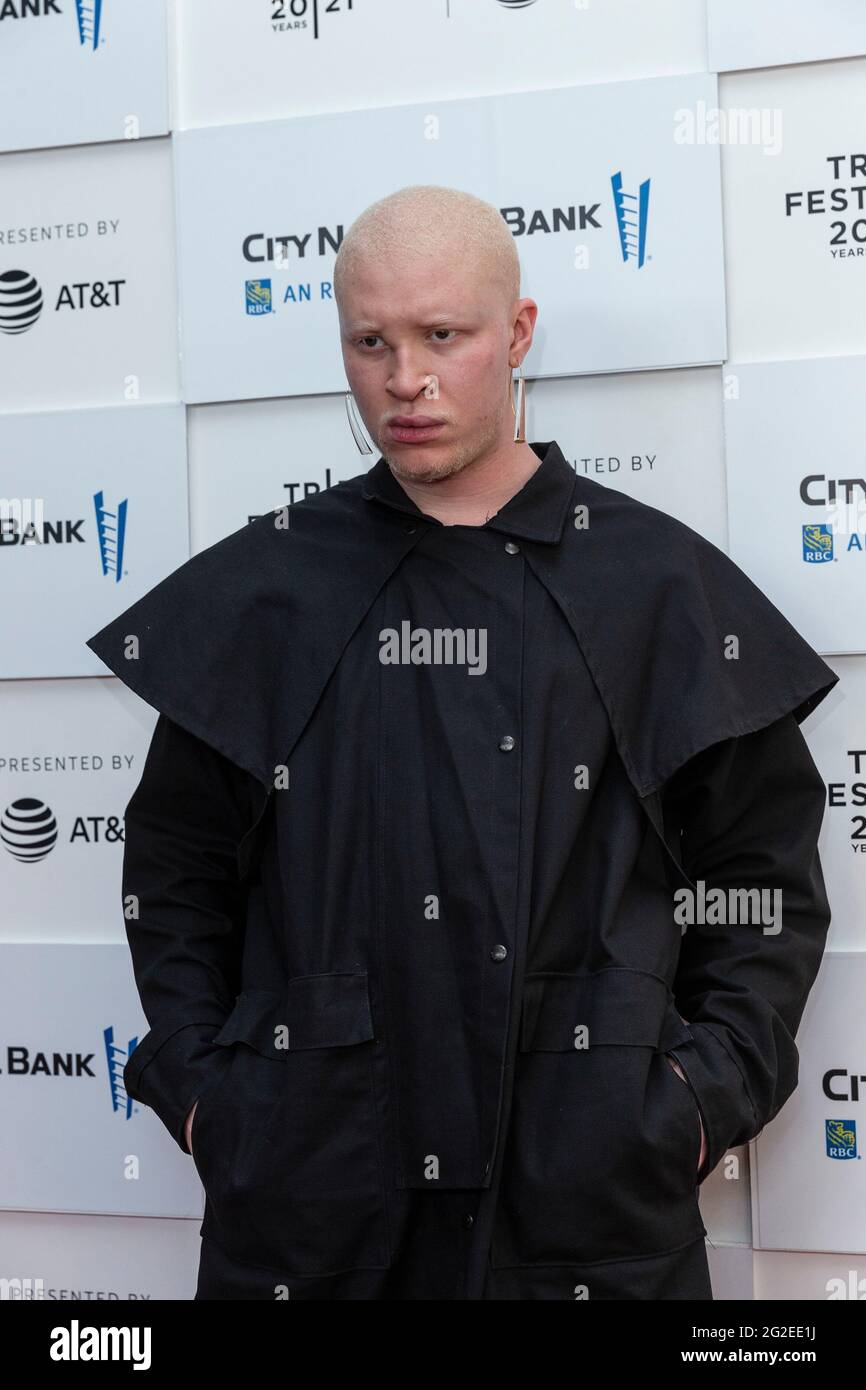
x=749 y=810
x=184 y=901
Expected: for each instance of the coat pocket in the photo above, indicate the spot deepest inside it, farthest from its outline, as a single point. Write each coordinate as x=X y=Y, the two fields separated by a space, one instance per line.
x=601 y=1159
x=285 y=1141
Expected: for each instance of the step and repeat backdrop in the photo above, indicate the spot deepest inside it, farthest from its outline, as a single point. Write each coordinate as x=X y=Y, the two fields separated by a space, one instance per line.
x=175 y=181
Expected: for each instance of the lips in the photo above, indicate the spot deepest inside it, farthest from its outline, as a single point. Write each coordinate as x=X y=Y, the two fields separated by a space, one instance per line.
x=415 y=429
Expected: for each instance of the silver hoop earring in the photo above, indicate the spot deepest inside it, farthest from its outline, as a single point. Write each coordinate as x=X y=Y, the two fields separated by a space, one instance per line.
x=519 y=408
x=356 y=426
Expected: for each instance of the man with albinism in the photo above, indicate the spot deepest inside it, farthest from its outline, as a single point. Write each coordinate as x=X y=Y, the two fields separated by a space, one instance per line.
x=405 y=933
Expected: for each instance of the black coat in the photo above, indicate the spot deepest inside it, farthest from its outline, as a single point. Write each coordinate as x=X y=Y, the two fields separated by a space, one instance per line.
x=420 y=979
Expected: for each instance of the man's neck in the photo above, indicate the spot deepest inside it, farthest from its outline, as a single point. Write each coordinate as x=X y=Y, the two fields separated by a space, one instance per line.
x=478 y=491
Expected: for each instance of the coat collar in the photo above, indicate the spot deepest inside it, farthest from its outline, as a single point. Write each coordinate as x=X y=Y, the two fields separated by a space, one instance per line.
x=238 y=643
x=536 y=512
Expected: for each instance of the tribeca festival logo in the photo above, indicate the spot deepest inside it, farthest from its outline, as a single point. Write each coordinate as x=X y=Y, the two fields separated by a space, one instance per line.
x=438 y=646
x=632 y=212
x=116 y=1058
x=293 y=16
x=20 y=301
x=845 y=195
x=111 y=533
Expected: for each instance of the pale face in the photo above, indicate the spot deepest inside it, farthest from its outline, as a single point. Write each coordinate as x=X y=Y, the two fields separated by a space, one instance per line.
x=430 y=338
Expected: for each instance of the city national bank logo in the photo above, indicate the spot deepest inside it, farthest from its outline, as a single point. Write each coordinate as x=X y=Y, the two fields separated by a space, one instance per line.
x=111 y=533
x=18 y=526
x=280 y=250
x=88 y=15
x=23 y=1059
x=817 y=543
x=841 y=1138
x=259 y=299
x=20 y=301
x=117 y=1058
x=28 y=830
x=632 y=212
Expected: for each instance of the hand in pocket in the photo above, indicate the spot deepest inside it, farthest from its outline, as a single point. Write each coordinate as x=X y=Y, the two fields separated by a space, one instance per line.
x=679 y=1071
x=187 y=1127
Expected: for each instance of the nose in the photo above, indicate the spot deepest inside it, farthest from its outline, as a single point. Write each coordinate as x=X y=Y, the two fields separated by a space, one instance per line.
x=411 y=375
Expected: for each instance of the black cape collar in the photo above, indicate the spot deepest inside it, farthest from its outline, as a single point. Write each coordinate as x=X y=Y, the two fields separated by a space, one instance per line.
x=536 y=512
x=238 y=643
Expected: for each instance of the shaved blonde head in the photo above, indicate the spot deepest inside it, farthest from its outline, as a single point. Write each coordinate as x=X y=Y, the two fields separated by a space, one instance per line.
x=427 y=287
x=424 y=220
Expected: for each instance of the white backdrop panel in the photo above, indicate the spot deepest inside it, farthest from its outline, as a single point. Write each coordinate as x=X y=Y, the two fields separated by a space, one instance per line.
x=76 y=1142
x=88 y=279
x=259 y=317
x=837 y=741
x=307 y=56
x=731 y=1271
x=71 y=73
x=788 y=1277
x=746 y=34
x=72 y=754
x=794 y=215
x=103 y=517
x=725 y=1199
x=793 y=435
x=808 y=1180
x=100 y=1257
x=655 y=435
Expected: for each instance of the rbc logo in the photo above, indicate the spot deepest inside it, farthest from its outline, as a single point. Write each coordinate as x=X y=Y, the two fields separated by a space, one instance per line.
x=817 y=543
x=258 y=297
x=841 y=1137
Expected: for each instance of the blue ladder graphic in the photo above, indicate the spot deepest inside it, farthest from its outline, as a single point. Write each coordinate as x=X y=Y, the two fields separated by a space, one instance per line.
x=89 y=13
x=117 y=1058
x=111 y=530
x=632 y=244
